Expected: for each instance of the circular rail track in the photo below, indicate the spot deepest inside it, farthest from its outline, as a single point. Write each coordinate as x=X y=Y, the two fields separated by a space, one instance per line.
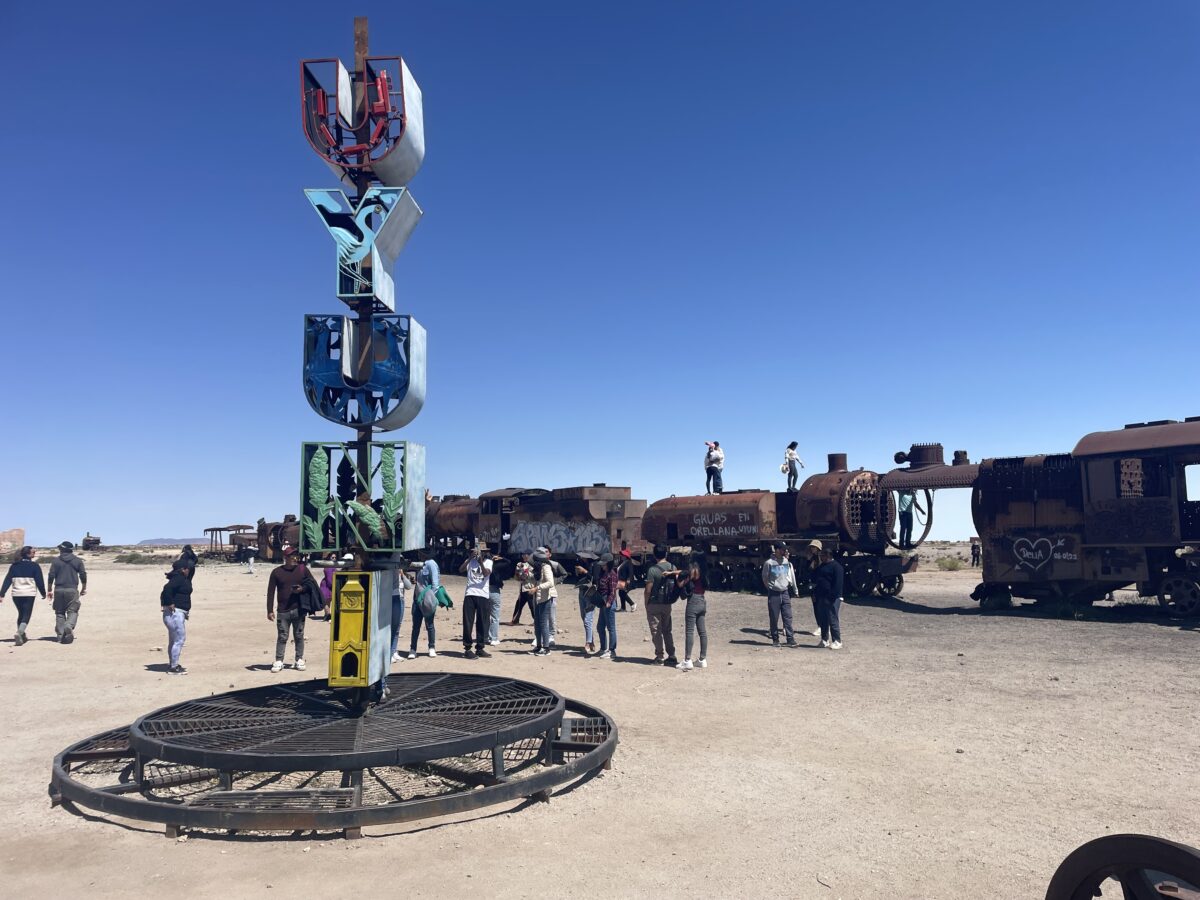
x=294 y=757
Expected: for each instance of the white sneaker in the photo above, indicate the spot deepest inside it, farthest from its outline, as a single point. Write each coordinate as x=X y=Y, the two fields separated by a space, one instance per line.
x=607 y=654
x=685 y=666
x=702 y=663
x=836 y=645
x=432 y=653
x=412 y=654
x=551 y=640
x=824 y=643
x=396 y=657
x=277 y=666
x=493 y=643
x=816 y=632
x=299 y=665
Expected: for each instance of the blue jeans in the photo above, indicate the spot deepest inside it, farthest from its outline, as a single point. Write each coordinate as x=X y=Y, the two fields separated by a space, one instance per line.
x=494 y=617
x=608 y=628
x=419 y=617
x=176 y=624
x=397 y=619
x=587 y=612
x=541 y=625
x=829 y=619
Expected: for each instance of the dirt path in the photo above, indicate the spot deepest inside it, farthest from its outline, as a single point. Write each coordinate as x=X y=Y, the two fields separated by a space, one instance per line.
x=941 y=753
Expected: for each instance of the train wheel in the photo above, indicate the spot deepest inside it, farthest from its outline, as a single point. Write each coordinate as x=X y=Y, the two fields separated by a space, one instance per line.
x=890 y=585
x=862 y=578
x=1140 y=864
x=1180 y=595
x=996 y=597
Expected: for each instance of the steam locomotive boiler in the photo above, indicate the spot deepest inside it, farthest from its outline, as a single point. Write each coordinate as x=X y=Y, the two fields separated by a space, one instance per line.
x=593 y=519
x=848 y=511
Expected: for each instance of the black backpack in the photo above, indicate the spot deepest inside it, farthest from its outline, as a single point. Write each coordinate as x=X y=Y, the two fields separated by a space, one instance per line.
x=664 y=589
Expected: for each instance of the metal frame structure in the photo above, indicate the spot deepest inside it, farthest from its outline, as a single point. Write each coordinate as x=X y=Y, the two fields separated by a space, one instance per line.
x=219 y=763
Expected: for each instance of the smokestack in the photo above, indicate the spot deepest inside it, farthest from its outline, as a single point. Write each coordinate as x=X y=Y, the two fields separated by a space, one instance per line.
x=837 y=462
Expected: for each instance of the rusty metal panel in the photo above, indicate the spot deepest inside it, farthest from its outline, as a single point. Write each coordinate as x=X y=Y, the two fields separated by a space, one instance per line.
x=1033 y=555
x=744 y=515
x=1133 y=520
x=931 y=478
x=1141 y=438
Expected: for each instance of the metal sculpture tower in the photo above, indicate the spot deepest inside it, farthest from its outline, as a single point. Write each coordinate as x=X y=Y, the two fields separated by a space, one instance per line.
x=366 y=372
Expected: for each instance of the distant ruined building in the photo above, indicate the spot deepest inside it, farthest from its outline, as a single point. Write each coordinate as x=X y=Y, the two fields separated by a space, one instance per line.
x=12 y=539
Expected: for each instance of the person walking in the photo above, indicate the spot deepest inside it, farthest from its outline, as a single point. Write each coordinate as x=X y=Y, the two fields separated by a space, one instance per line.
x=695 y=614
x=779 y=578
x=714 y=465
x=477 y=602
x=625 y=580
x=287 y=581
x=188 y=557
x=792 y=463
x=589 y=587
x=67 y=583
x=544 y=598
x=827 y=590
x=25 y=578
x=424 y=606
x=905 y=505
x=527 y=592
x=657 y=600
x=176 y=602
x=400 y=585
x=976 y=553
x=607 y=613
x=502 y=570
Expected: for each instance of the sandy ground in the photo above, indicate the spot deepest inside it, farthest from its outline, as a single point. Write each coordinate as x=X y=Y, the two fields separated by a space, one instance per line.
x=942 y=753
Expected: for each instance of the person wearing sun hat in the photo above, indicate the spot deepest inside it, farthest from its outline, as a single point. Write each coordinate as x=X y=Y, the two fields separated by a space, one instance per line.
x=67 y=583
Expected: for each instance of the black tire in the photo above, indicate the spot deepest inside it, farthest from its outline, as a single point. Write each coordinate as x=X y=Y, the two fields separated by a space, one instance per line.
x=1180 y=595
x=862 y=578
x=1129 y=859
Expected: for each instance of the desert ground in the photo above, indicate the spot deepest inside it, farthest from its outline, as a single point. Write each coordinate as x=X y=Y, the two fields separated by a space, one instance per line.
x=944 y=752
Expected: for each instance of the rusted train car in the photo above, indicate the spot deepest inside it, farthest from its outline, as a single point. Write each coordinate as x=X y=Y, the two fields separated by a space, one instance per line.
x=1113 y=512
x=596 y=518
x=269 y=537
x=847 y=510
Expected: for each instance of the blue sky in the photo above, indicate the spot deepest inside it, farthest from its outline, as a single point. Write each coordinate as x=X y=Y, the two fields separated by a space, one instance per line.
x=855 y=225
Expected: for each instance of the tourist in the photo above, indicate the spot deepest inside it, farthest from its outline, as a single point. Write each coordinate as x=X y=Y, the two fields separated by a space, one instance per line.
x=188 y=557
x=607 y=612
x=589 y=587
x=544 y=600
x=528 y=591
x=287 y=581
x=695 y=614
x=657 y=598
x=477 y=602
x=424 y=606
x=976 y=552
x=25 y=578
x=714 y=465
x=779 y=578
x=176 y=601
x=792 y=465
x=67 y=583
x=827 y=591
x=560 y=575
x=812 y=562
x=326 y=585
x=247 y=555
x=625 y=580
x=905 y=506
x=502 y=570
x=400 y=584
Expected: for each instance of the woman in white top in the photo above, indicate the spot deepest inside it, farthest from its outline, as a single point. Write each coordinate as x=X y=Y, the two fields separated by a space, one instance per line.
x=792 y=464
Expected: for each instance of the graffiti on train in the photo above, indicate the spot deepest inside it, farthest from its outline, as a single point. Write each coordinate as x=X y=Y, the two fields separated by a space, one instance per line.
x=561 y=537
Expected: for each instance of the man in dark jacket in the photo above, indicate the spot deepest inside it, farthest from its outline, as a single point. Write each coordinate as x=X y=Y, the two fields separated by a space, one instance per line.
x=827 y=592
x=25 y=578
x=67 y=583
x=288 y=582
x=176 y=600
x=188 y=557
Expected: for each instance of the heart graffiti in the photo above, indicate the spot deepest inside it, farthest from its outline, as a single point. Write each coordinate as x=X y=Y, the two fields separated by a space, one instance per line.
x=1033 y=554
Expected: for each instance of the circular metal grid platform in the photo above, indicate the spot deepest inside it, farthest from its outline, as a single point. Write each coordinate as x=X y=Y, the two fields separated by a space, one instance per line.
x=292 y=756
x=303 y=726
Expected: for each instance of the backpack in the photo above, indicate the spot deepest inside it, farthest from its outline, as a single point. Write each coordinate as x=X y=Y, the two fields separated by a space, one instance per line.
x=664 y=588
x=427 y=601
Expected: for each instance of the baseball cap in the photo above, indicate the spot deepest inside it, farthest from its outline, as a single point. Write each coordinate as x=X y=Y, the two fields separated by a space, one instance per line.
x=66 y=545
x=627 y=554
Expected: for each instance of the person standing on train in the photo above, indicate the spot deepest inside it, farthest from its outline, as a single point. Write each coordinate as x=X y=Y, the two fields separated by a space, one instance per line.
x=792 y=465
x=714 y=465
x=827 y=591
x=905 y=505
x=779 y=578
x=625 y=579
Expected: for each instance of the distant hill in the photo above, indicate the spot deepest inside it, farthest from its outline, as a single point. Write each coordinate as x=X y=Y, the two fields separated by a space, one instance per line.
x=172 y=542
